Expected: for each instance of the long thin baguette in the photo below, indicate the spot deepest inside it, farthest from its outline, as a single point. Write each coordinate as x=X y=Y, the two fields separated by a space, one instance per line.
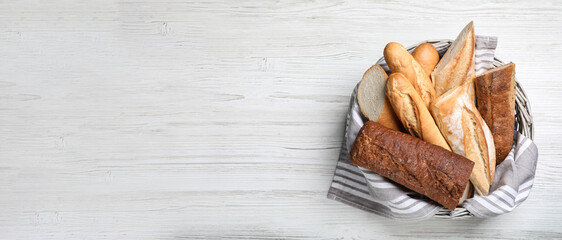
x=412 y=112
x=400 y=61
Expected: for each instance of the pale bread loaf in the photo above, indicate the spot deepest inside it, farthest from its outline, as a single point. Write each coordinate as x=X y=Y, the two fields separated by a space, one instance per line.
x=466 y=194
x=457 y=64
x=466 y=132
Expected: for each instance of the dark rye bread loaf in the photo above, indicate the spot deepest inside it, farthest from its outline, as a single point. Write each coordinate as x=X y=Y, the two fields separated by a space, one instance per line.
x=495 y=94
x=420 y=166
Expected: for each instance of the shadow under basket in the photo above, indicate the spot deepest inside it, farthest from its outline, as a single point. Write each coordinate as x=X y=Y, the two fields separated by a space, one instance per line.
x=523 y=117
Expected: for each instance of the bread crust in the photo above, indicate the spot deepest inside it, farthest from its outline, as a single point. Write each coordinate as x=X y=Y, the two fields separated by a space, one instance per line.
x=411 y=111
x=457 y=64
x=468 y=135
x=399 y=60
x=427 y=56
x=495 y=92
x=372 y=100
x=420 y=166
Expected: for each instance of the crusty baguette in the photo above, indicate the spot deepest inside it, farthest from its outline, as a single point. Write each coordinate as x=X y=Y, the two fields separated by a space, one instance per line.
x=469 y=81
x=411 y=111
x=495 y=91
x=467 y=134
x=457 y=63
x=420 y=166
x=400 y=61
x=372 y=100
x=427 y=56
x=466 y=194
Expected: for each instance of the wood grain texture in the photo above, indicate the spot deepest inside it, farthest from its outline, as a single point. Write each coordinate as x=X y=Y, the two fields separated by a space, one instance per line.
x=170 y=120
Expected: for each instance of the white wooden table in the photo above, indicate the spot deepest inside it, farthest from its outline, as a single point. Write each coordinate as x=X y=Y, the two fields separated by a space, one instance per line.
x=156 y=120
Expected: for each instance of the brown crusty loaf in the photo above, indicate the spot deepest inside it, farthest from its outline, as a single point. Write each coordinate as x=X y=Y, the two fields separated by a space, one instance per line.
x=411 y=110
x=399 y=60
x=427 y=56
x=372 y=100
x=420 y=166
x=495 y=92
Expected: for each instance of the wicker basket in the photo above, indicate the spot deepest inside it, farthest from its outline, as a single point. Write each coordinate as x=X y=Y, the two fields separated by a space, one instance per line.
x=523 y=118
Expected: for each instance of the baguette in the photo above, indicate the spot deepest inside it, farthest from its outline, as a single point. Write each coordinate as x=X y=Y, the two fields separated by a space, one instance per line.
x=495 y=91
x=427 y=56
x=412 y=112
x=420 y=166
x=400 y=61
x=467 y=134
x=457 y=64
x=372 y=100
x=466 y=194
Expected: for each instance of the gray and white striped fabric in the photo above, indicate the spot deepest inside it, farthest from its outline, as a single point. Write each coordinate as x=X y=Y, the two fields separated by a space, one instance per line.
x=368 y=191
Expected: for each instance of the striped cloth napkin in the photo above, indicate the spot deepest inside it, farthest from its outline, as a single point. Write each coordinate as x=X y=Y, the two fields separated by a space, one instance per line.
x=366 y=190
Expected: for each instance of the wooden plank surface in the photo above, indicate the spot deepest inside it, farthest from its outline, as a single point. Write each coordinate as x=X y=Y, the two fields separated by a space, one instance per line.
x=169 y=120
